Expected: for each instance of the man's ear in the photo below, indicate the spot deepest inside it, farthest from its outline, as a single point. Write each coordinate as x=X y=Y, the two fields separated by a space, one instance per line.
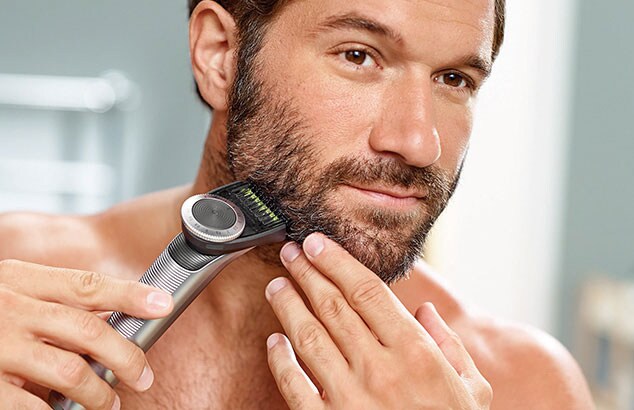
x=212 y=44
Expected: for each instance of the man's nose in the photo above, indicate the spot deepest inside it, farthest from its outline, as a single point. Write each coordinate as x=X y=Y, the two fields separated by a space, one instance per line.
x=407 y=126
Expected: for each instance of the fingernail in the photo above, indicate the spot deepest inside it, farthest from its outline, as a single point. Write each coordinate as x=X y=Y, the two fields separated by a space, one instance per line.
x=273 y=340
x=146 y=379
x=275 y=286
x=117 y=403
x=158 y=301
x=314 y=244
x=290 y=252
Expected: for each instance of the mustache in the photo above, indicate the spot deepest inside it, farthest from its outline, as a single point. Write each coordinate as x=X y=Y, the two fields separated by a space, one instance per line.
x=433 y=180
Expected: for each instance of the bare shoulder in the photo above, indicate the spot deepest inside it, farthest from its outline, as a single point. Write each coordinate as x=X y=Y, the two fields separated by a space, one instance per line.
x=55 y=240
x=527 y=368
x=117 y=241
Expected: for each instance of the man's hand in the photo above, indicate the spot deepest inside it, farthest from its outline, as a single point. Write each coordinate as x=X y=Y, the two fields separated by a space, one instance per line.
x=362 y=346
x=48 y=320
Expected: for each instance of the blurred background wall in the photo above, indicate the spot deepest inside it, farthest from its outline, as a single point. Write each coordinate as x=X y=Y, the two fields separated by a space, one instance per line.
x=597 y=262
x=539 y=231
x=155 y=138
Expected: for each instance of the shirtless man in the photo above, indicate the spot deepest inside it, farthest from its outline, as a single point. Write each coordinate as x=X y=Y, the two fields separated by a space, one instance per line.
x=356 y=115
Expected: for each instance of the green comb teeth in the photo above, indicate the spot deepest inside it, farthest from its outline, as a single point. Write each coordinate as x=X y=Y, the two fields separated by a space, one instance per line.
x=262 y=207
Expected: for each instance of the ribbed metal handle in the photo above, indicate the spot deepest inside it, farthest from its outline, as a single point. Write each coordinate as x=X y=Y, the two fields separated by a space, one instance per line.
x=180 y=271
x=168 y=272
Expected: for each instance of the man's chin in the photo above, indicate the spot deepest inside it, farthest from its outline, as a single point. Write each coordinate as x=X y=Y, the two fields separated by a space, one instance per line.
x=387 y=251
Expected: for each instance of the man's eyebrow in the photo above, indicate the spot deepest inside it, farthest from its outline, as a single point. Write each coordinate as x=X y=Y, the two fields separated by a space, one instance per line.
x=358 y=22
x=478 y=63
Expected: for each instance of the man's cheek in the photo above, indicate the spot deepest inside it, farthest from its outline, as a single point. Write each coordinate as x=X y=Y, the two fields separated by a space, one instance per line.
x=342 y=120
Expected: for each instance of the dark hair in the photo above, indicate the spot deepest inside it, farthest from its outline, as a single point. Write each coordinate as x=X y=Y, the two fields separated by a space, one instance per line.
x=252 y=17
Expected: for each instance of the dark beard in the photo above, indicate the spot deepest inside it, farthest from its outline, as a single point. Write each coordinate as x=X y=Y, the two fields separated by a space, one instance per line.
x=269 y=145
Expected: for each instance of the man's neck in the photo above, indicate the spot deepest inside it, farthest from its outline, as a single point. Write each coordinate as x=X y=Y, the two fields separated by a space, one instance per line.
x=237 y=296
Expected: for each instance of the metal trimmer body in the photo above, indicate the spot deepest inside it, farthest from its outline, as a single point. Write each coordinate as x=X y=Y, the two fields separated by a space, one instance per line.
x=218 y=227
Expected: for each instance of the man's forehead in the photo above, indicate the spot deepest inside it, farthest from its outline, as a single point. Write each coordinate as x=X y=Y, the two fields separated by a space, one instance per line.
x=469 y=23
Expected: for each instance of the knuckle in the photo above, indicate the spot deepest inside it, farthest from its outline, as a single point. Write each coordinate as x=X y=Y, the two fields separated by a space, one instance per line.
x=330 y=307
x=72 y=372
x=418 y=349
x=128 y=294
x=50 y=310
x=454 y=339
x=91 y=327
x=276 y=360
x=105 y=399
x=134 y=361
x=8 y=269
x=287 y=379
x=303 y=273
x=87 y=284
x=8 y=299
x=307 y=337
x=8 y=265
x=132 y=288
x=485 y=393
x=366 y=293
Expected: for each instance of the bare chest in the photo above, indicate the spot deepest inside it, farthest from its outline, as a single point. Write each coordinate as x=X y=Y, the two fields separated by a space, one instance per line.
x=194 y=376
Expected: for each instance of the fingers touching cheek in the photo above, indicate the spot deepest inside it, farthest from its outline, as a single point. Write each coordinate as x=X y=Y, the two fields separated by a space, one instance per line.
x=313 y=246
x=300 y=262
x=289 y=253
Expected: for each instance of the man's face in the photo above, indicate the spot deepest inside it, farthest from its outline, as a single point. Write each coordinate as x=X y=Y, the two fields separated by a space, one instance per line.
x=356 y=117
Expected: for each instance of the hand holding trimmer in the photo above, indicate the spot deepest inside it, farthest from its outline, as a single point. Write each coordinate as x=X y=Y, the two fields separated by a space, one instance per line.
x=218 y=227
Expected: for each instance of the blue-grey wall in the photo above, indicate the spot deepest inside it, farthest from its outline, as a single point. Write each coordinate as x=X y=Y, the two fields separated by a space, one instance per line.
x=599 y=223
x=147 y=40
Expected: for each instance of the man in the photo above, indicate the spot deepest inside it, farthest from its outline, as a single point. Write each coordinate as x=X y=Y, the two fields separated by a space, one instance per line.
x=356 y=116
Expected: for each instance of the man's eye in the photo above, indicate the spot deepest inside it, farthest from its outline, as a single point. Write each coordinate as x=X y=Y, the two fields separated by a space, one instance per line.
x=453 y=80
x=358 y=57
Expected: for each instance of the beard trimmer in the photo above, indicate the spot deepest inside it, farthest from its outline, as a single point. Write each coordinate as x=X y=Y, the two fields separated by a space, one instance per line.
x=218 y=227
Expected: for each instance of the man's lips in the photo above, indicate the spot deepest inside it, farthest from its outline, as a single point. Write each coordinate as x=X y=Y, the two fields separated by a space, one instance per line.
x=392 y=196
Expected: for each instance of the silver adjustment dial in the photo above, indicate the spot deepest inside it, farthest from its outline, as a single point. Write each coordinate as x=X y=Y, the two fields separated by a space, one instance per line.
x=212 y=218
